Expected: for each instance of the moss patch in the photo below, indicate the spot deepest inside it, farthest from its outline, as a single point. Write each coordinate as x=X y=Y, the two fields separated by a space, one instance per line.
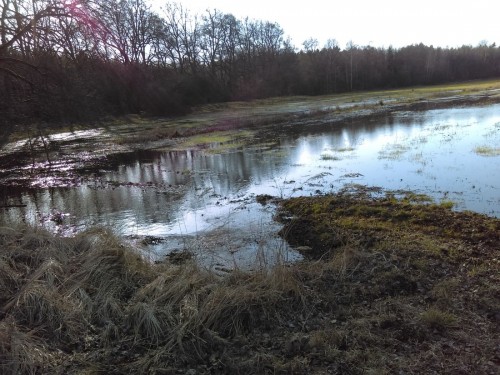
x=403 y=280
x=327 y=222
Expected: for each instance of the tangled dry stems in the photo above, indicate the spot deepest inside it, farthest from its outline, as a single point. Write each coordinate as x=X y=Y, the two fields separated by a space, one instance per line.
x=92 y=291
x=398 y=288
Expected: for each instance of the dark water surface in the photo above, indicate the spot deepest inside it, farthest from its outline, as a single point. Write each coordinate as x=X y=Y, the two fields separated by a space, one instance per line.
x=206 y=202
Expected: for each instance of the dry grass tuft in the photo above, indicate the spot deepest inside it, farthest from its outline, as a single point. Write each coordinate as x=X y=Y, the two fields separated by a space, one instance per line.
x=438 y=319
x=8 y=278
x=22 y=353
x=108 y=268
x=105 y=309
x=247 y=299
x=143 y=320
x=110 y=311
x=345 y=260
x=173 y=283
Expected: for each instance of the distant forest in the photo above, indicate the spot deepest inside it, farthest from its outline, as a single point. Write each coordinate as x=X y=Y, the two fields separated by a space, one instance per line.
x=80 y=60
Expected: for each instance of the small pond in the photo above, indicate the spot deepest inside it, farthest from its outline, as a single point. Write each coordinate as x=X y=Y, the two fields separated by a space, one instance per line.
x=205 y=202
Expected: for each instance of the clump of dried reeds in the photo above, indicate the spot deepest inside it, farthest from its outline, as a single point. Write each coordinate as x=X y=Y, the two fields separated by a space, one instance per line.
x=95 y=293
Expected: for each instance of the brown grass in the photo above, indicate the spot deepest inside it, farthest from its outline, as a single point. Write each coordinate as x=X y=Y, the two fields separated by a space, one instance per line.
x=93 y=293
x=393 y=294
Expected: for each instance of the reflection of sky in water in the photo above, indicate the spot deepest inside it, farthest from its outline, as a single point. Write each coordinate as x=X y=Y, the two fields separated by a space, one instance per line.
x=191 y=192
x=432 y=153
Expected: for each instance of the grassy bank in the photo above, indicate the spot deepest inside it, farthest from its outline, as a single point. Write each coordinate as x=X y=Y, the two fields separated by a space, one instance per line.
x=388 y=286
x=211 y=123
x=215 y=121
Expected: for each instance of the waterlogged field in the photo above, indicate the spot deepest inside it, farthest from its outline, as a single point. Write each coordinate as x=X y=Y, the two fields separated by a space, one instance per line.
x=396 y=276
x=205 y=198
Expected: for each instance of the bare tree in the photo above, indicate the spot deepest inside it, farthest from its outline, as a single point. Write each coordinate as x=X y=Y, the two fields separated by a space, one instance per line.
x=310 y=45
x=17 y=24
x=219 y=43
x=140 y=19
x=181 y=35
x=126 y=29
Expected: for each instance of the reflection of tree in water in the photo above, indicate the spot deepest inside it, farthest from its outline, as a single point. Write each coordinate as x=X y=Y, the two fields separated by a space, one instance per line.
x=164 y=182
x=151 y=190
x=156 y=187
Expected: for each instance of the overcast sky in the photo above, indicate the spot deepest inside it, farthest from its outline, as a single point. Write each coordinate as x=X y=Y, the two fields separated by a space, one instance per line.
x=379 y=23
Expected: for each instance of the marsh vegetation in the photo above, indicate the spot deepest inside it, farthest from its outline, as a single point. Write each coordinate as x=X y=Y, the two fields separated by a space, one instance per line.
x=378 y=280
x=387 y=285
x=383 y=282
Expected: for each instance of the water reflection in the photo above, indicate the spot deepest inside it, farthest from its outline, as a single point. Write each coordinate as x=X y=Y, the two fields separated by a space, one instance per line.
x=192 y=194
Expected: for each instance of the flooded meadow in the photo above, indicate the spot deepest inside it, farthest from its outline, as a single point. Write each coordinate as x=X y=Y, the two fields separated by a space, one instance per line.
x=213 y=200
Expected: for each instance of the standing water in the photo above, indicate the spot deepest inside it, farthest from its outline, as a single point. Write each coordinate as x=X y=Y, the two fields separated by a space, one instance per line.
x=206 y=202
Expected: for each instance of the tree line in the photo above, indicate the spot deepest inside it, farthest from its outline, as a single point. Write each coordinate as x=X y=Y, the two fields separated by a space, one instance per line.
x=70 y=60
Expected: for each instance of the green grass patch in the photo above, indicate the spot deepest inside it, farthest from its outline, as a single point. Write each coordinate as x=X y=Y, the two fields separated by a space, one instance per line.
x=209 y=138
x=438 y=319
x=217 y=142
x=447 y=204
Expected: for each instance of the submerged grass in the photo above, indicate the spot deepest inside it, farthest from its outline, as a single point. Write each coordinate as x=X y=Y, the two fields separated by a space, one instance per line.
x=487 y=151
x=388 y=286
